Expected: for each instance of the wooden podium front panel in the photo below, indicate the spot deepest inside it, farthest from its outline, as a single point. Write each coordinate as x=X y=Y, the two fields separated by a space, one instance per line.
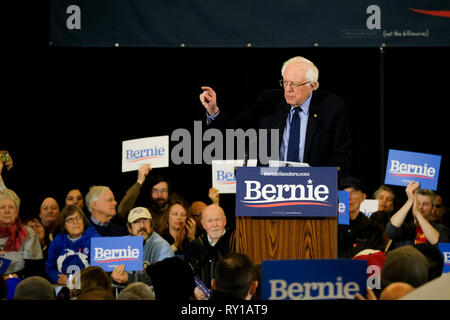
x=286 y=238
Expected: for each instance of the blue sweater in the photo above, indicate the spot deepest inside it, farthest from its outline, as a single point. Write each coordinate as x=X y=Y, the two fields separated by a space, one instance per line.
x=64 y=252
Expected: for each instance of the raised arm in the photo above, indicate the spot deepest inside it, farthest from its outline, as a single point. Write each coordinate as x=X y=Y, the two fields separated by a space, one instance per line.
x=398 y=218
x=209 y=100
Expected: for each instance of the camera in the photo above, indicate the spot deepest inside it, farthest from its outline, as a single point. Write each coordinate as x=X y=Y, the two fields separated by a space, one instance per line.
x=4 y=157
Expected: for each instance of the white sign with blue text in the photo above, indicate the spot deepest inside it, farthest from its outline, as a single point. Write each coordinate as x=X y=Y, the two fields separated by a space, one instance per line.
x=109 y=252
x=405 y=166
x=313 y=279
x=153 y=151
x=224 y=174
x=286 y=191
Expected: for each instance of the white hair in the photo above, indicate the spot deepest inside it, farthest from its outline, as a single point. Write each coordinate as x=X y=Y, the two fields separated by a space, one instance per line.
x=94 y=194
x=312 y=73
x=10 y=194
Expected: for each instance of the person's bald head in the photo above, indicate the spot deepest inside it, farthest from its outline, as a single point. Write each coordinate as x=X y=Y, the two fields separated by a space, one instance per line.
x=214 y=221
x=396 y=290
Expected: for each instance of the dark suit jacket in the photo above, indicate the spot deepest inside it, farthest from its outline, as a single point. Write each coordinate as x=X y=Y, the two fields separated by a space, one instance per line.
x=328 y=139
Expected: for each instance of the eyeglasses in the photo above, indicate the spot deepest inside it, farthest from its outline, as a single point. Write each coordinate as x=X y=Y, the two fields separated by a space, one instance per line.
x=160 y=191
x=285 y=83
x=72 y=220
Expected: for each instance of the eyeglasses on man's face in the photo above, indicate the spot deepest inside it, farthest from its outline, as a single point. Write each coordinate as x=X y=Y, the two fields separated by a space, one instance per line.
x=293 y=84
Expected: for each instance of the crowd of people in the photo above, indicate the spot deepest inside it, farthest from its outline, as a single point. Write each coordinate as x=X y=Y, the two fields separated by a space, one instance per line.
x=188 y=246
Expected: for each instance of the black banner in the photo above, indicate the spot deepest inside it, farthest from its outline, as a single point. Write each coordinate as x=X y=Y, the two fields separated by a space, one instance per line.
x=246 y=23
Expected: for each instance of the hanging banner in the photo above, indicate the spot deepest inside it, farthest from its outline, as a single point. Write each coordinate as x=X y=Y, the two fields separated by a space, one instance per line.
x=221 y=23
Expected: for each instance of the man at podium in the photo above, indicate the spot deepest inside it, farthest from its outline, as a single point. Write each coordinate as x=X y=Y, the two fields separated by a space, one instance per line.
x=313 y=126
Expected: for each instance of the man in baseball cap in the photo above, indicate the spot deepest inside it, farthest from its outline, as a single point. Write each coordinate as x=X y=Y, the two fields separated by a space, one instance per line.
x=156 y=248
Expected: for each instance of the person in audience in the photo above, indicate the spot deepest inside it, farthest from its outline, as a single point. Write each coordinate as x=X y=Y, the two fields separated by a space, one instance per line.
x=234 y=278
x=178 y=228
x=393 y=291
x=197 y=207
x=155 y=247
x=360 y=234
x=405 y=264
x=3 y=289
x=386 y=198
x=50 y=216
x=434 y=257
x=72 y=246
x=8 y=164
x=75 y=197
x=156 y=201
x=396 y=290
x=438 y=212
x=35 y=288
x=136 y=291
x=173 y=279
x=18 y=242
x=217 y=241
x=92 y=277
x=381 y=218
x=36 y=224
x=421 y=229
x=101 y=204
x=96 y=294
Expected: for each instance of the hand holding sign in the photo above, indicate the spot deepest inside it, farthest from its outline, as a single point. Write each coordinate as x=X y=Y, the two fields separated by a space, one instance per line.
x=214 y=195
x=143 y=171
x=119 y=275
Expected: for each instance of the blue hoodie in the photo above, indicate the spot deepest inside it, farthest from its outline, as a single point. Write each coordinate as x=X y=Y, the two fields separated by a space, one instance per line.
x=64 y=252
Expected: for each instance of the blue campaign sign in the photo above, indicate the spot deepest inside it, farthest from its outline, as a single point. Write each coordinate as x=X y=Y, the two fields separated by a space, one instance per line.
x=344 y=214
x=109 y=252
x=313 y=279
x=405 y=166
x=4 y=264
x=445 y=250
x=286 y=191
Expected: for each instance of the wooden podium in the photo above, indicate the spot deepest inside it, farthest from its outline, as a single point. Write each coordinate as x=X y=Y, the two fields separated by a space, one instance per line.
x=263 y=238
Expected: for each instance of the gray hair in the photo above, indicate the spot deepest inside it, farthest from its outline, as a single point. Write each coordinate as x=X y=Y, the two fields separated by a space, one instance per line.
x=35 y=288
x=94 y=194
x=312 y=73
x=428 y=193
x=136 y=291
x=383 y=188
x=10 y=194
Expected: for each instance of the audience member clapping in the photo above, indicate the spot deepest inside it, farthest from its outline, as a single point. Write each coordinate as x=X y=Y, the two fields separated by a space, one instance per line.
x=178 y=227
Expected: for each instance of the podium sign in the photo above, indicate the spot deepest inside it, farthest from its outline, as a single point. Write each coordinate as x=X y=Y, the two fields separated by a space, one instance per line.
x=286 y=192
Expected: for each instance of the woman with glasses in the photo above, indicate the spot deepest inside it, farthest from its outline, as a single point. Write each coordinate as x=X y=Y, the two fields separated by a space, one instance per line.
x=71 y=247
